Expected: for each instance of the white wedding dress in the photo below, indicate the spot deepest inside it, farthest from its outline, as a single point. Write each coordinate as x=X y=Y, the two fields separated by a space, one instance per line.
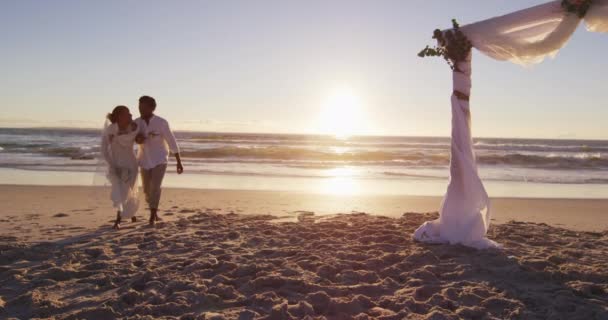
x=122 y=169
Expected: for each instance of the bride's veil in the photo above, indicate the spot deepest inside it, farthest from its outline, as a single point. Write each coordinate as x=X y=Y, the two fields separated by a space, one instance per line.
x=102 y=188
x=100 y=177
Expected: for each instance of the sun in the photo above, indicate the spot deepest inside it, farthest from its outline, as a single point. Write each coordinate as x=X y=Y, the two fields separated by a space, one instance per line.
x=341 y=114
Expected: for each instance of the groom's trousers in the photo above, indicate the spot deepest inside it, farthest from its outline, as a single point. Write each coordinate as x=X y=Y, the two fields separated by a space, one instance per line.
x=152 y=179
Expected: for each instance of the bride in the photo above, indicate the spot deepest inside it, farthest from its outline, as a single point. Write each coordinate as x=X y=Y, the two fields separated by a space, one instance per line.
x=117 y=148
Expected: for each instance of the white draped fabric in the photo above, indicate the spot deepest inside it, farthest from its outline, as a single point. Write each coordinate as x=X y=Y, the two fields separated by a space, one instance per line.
x=464 y=217
x=523 y=37
x=529 y=36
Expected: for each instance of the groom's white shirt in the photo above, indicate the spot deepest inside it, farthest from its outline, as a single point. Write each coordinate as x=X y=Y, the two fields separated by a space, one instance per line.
x=159 y=141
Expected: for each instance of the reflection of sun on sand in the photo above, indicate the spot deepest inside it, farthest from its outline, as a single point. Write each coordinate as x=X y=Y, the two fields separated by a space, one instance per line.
x=341 y=182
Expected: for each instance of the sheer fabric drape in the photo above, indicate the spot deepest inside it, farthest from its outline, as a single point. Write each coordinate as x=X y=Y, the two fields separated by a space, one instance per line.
x=529 y=36
x=524 y=37
x=464 y=217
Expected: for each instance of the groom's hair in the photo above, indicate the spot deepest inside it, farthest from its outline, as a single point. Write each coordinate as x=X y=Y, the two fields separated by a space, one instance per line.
x=148 y=101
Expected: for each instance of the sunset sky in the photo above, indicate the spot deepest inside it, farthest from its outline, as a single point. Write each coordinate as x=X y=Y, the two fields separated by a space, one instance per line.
x=285 y=66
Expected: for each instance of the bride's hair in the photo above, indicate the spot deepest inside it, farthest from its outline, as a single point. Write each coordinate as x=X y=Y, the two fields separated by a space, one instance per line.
x=113 y=116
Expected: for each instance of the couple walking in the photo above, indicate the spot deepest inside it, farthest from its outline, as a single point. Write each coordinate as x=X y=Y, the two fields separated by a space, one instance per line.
x=154 y=140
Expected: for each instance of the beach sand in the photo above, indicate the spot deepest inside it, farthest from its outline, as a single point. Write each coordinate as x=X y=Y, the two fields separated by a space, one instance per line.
x=47 y=213
x=250 y=255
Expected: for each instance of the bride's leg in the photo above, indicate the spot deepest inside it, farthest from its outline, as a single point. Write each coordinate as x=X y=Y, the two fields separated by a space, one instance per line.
x=117 y=222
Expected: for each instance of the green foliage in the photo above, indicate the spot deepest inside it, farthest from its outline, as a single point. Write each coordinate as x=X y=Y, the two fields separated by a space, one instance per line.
x=453 y=46
x=578 y=7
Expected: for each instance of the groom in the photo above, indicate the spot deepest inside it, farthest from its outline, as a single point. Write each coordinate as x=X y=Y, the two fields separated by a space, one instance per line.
x=153 y=153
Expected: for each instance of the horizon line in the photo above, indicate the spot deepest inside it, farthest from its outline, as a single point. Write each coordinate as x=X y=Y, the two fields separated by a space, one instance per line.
x=311 y=134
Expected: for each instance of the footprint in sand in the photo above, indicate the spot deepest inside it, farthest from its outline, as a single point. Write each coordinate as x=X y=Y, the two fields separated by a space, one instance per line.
x=305 y=215
x=61 y=215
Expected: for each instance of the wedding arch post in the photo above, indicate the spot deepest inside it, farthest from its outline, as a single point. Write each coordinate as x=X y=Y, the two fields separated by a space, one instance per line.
x=523 y=37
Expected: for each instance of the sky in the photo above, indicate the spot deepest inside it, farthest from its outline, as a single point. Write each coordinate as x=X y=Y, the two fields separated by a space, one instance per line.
x=275 y=66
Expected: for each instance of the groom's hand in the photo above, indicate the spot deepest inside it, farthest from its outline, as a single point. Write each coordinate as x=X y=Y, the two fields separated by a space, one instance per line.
x=140 y=138
x=180 y=168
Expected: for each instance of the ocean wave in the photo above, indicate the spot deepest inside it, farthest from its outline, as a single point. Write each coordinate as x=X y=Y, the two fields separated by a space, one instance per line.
x=283 y=153
x=53 y=150
x=540 y=147
x=574 y=161
x=315 y=144
x=536 y=178
x=395 y=142
x=74 y=153
x=417 y=158
x=319 y=152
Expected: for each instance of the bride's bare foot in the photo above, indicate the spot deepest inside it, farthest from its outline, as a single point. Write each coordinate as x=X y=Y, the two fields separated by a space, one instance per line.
x=117 y=222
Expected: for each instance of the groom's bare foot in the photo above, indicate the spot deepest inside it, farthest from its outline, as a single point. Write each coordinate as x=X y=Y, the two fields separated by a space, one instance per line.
x=153 y=216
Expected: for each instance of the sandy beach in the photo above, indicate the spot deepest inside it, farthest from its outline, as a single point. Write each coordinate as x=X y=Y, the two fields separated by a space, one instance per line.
x=264 y=255
x=277 y=160
x=45 y=213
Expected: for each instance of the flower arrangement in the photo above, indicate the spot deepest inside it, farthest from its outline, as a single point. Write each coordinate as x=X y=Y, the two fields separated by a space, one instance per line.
x=579 y=7
x=453 y=46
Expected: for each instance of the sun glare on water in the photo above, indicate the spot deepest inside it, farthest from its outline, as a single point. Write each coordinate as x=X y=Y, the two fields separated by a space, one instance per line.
x=341 y=114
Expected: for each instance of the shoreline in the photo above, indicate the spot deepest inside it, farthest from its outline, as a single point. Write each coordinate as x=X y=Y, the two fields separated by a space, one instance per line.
x=7 y=185
x=334 y=185
x=501 y=198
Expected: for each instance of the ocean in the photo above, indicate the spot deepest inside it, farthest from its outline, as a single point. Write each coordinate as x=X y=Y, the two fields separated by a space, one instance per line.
x=354 y=165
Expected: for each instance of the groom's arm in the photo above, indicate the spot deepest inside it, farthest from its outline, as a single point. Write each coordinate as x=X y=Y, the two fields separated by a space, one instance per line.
x=172 y=143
